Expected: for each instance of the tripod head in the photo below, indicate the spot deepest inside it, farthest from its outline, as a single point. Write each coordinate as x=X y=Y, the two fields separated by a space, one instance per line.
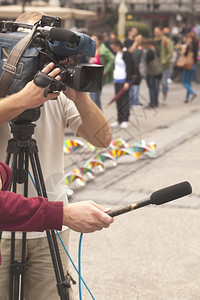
x=28 y=116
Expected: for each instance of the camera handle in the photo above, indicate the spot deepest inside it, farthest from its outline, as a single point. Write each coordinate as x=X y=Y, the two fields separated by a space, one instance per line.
x=24 y=149
x=49 y=83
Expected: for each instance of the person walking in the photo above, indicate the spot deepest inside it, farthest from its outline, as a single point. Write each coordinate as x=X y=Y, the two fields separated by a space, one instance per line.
x=165 y=51
x=188 y=75
x=139 y=59
x=178 y=50
x=154 y=72
x=123 y=72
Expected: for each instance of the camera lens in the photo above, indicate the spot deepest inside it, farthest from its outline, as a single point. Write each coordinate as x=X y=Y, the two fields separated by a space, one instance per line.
x=86 y=79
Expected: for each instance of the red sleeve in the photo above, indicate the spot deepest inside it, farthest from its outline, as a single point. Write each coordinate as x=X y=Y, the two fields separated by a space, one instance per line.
x=18 y=213
x=6 y=174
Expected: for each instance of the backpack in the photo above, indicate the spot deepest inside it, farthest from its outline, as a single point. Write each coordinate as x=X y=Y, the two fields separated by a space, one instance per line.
x=28 y=65
x=142 y=66
x=154 y=67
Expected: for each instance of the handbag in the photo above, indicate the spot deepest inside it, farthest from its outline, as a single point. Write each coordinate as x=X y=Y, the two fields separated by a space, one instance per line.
x=186 y=61
x=189 y=63
x=181 y=61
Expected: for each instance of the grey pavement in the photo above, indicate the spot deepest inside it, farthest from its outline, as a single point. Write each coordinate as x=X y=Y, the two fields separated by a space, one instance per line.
x=154 y=252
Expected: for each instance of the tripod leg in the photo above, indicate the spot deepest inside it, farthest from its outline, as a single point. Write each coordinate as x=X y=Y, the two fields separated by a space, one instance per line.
x=62 y=284
x=23 y=258
x=12 y=251
x=35 y=175
x=23 y=261
x=17 y=269
x=44 y=193
x=12 y=255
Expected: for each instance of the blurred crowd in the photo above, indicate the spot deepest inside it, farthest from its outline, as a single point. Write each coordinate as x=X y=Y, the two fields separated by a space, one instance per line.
x=159 y=60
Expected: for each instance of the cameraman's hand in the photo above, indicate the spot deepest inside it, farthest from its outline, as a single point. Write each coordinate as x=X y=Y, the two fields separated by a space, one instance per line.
x=86 y=217
x=32 y=95
x=75 y=95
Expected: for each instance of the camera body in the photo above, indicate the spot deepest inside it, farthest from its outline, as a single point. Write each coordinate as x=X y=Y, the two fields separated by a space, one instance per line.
x=50 y=43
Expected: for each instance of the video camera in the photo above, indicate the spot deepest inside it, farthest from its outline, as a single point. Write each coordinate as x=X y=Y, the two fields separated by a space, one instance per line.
x=50 y=43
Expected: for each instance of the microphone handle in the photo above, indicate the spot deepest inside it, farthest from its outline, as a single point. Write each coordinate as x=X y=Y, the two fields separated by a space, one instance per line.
x=130 y=207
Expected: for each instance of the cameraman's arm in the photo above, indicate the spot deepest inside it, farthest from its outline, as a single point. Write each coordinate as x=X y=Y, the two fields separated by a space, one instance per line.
x=95 y=127
x=30 y=96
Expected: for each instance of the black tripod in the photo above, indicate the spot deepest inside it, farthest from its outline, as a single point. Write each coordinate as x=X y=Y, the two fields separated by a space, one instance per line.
x=21 y=150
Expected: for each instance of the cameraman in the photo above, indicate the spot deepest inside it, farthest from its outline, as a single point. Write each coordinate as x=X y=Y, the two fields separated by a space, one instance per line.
x=39 y=214
x=77 y=111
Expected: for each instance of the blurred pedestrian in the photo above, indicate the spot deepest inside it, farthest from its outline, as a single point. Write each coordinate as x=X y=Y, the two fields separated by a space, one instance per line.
x=113 y=36
x=131 y=44
x=132 y=33
x=105 y=57
x=188 y=75
x=106 y=39
x=165 y=51
x=139 y=59
x=123 y=75
x=154 y=72
x=178 y=49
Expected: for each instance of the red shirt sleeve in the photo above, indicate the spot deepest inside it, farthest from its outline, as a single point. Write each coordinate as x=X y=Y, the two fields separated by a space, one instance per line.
x=6 y=175
x=18 y=213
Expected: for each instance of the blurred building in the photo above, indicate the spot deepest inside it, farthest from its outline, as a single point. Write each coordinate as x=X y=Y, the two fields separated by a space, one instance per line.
x=154 y=12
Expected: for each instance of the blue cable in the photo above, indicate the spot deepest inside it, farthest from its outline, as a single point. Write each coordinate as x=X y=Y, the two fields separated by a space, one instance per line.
x=79 y=266
x=79 y=254
x=33 y=182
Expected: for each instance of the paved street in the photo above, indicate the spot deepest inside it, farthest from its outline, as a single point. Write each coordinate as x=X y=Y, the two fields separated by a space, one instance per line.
x=152 y=253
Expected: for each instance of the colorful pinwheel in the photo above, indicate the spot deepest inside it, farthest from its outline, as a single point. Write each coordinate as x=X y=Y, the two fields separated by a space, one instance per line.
x=91 y=147
x=116 y=153
x=94 y=163
x=71 y=146
x=71 y=177
x=83 y=170
x=119 y=143
x=106 y=156
x=149 y=149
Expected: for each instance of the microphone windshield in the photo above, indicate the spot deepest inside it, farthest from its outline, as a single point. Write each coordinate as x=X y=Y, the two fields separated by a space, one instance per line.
x=171 y=193
x=68 y=36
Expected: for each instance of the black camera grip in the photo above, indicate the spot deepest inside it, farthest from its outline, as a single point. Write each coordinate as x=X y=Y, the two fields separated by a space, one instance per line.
x=43 y=80
x=49 y=83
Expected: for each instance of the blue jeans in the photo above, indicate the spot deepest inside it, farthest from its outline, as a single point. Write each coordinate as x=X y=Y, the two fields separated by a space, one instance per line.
x=133 y=94
x=154 y=85
x=165 y=76
x=95 y=96
x=187 y=76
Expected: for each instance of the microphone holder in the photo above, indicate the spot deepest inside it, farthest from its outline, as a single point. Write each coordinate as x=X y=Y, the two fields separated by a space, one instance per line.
x=22 y=150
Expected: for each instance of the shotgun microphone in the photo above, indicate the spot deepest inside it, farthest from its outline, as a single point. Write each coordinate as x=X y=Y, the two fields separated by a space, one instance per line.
x=159 y=197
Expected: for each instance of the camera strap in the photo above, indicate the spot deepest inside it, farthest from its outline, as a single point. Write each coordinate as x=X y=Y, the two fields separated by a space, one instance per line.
x=10 y=66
